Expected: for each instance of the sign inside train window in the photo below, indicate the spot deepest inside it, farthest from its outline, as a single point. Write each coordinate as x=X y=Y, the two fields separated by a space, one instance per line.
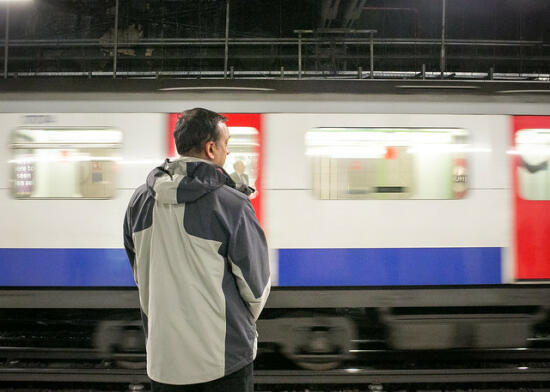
x=245 y=162
x=23 y=178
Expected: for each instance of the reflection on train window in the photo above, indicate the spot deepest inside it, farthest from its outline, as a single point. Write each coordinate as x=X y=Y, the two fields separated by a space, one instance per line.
x=533 y=149
x=64 y=162
x=382 y=163
x=242 y=163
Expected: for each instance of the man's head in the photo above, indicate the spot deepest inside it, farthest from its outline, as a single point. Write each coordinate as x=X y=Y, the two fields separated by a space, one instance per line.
x=239 y=167
x=203 y=134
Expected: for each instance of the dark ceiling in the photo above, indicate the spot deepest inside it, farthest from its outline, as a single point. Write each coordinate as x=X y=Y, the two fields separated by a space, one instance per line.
x=179 y=36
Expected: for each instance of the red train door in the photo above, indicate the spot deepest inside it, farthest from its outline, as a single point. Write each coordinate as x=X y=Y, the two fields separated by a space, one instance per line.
x=531 y=196
x=245 y=161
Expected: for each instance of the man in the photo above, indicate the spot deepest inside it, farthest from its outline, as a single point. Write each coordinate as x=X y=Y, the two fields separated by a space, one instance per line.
x=199 y=259
x=239 y=176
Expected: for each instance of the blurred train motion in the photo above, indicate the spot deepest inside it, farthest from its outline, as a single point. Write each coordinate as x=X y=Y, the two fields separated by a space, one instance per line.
x=435 y=186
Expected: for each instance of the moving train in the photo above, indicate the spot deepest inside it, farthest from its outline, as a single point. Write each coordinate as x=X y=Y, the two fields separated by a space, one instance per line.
x=358 y=183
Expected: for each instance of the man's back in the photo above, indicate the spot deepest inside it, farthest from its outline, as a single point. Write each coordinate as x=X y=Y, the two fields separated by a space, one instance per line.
x=200 y=262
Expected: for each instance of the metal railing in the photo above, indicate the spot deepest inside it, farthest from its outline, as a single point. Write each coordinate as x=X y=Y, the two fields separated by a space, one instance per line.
x=292 y=51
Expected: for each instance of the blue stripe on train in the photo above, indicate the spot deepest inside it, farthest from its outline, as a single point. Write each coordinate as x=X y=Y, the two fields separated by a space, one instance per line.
x=389 y=266
x=297 y=267
x=65 y=267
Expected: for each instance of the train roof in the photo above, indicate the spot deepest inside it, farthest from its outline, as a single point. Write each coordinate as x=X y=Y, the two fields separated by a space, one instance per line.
x=295 y=86
x=275 y=96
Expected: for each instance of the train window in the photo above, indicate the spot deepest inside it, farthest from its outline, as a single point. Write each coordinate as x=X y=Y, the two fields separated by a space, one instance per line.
x=242 y=163
x=388 y=163
x=533 y=149
x=64 y=162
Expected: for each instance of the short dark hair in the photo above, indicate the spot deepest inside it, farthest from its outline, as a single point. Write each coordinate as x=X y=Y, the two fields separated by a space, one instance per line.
x=195 y=128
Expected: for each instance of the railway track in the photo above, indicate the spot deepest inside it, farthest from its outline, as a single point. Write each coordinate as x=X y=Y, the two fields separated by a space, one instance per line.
x=340 y=376
x=377 y=367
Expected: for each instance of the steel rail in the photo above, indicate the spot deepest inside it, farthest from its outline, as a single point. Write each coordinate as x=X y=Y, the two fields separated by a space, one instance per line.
x=359 y=376
x=379 y=355
x=65 y=353
x=454 y=356
x=343 y=376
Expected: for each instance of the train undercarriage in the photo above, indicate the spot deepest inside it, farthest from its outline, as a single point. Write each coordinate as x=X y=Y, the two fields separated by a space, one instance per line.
x=341 y=336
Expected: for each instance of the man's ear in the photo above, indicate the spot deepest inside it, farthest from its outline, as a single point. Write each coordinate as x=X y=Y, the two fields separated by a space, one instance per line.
x=209 y=149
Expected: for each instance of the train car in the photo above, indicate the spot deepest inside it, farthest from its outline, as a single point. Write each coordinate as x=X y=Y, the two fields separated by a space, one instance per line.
x=358 y=183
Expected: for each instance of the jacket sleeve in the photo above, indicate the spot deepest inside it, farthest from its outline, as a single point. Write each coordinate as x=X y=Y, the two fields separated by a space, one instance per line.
x=128 y=240
x=247 y=253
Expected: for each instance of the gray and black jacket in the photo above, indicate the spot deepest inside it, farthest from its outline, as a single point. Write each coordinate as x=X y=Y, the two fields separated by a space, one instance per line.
x=200 y=262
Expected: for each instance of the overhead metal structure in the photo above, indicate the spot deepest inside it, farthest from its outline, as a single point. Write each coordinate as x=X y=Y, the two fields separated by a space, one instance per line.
x=352 y=11
x=334 y=47
x=329 y=12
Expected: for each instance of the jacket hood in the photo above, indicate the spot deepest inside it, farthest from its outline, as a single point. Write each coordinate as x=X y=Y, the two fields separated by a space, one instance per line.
x=187 y=179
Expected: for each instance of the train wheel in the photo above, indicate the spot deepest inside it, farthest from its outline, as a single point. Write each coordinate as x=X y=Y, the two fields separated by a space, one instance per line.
x=318 y=366
x=319 y=342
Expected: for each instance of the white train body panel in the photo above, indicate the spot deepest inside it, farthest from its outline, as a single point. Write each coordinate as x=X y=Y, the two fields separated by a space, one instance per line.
x=81 y=223
x=295 y=219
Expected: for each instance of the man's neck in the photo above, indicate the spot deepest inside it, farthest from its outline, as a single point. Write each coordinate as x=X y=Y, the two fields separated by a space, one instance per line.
x=202 y=156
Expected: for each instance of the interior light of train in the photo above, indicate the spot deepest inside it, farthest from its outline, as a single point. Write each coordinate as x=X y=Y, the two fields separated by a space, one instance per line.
x=153 y=162
x=532 y=149
x=366 y=143
x=238 y=143
x=445 y=149
x=535 y=136
x=479 y=149
x=119 y=160
x=324 y=136
x=233 y=131
x=356 y=142
x=348 y=151
x=525 y=150
x=74 y=158
x=76 y=136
